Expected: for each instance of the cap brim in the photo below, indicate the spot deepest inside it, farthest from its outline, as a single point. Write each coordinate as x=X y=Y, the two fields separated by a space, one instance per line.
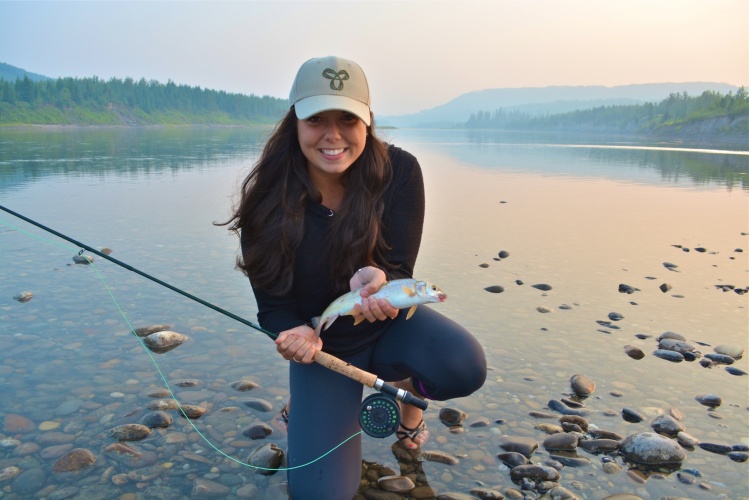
x=318 y=103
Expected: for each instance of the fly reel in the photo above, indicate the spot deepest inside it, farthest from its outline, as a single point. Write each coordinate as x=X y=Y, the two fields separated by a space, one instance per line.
x=379 y=415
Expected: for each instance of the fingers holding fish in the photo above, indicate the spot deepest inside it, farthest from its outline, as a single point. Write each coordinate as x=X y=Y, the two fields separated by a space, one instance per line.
x=369 y=279
x=373 y=309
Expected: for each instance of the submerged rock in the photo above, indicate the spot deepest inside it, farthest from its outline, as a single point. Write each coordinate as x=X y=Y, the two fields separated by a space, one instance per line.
x=267 y=458
x=23 y=296
x=164 y=341
x=74 y=460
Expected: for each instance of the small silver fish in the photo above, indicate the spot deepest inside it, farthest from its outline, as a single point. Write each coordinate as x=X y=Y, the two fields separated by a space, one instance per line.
x=399 y=293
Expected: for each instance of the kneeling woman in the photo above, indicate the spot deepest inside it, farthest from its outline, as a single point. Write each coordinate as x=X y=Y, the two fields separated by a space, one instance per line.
x=330 y=208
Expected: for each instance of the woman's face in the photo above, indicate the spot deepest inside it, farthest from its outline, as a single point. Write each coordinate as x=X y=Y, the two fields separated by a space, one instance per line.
x=331 y=141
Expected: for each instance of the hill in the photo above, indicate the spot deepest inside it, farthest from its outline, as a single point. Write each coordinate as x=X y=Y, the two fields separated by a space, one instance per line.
x=11 y=73
x=91 y=101
x=546 y=101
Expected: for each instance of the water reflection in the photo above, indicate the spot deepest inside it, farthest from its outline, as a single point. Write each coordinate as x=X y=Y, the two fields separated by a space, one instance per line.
x=631 y=160
x=27 y=155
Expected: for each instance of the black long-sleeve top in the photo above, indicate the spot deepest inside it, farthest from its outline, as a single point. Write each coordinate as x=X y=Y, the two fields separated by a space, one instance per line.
x=313 y=289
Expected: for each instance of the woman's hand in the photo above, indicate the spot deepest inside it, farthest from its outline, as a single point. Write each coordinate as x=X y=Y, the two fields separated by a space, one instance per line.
x=369 y=279
x=299 y=344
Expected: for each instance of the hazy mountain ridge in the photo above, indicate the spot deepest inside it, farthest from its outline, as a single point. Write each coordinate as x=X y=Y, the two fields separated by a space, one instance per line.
x=546 y=100
x=10 y=73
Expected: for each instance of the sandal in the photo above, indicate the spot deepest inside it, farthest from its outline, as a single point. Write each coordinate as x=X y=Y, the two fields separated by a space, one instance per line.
x=411 y=433
x=285 y=414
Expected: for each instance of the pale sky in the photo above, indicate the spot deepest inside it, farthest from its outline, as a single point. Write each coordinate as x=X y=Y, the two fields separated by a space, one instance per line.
x=417 y=55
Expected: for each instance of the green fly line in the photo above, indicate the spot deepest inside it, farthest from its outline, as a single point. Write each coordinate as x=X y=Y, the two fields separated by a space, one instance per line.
x=158 y=369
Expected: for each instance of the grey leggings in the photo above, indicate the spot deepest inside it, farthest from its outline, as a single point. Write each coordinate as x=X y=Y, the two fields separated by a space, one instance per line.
x=444 y=360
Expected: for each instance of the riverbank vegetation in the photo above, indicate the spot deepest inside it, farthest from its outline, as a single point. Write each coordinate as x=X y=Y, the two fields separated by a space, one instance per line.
x=91 y=101
x=679 y=114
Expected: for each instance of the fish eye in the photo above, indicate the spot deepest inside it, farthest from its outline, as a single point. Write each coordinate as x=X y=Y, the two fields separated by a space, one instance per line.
x=434 y=287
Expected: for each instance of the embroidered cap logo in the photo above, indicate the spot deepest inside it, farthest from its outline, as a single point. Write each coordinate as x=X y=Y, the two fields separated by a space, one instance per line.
x=336 y=79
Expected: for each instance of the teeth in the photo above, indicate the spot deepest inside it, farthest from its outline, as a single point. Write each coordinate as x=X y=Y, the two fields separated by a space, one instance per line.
x=332 y=152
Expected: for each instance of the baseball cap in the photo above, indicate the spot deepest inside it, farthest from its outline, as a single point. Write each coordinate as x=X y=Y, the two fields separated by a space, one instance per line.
x=326 y=83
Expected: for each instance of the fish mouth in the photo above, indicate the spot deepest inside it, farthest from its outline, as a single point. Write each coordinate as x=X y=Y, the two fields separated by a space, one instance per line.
x=442 y=296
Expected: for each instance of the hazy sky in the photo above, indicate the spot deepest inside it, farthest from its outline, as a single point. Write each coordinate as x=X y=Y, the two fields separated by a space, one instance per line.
x=417 y=55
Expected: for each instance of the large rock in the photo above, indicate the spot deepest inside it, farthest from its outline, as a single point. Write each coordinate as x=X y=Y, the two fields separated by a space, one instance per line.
x=74 y=460
x=652 y=449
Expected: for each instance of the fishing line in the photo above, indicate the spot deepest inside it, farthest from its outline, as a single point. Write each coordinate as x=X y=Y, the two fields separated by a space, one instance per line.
x=158 y=369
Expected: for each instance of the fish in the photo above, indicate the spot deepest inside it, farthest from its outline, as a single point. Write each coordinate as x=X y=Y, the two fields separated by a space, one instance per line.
x=403 y=293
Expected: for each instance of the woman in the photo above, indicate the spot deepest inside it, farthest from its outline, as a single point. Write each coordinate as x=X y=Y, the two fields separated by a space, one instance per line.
x=330 y=208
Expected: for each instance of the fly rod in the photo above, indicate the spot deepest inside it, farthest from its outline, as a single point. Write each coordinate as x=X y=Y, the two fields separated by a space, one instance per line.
x=322 y=358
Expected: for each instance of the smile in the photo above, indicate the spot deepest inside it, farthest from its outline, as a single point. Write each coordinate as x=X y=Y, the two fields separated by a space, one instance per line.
x=332 y=152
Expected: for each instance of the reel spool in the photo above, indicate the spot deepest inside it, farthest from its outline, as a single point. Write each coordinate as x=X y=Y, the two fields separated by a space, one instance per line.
x=379 y=415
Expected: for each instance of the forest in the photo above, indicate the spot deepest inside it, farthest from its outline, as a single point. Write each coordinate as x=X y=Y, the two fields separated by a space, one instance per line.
x=92 y=101
x=710 y=112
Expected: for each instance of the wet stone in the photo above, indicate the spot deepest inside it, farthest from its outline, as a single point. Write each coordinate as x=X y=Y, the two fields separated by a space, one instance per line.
x=244 y=385
x=679 y=346
x=542 y=286
x=156 y=419
x=673 y=356
x=268 y=457
x=577 y=420
x=534 y=472
x=440 y=457
x=494 y=289
x=486 y=494
x=162 y=404
x=145 y=331
x=452 y=416
x=512 y=459
x=582 y=385
x=666 y=424
x=398 y=484
x=74 y=460
x=523 y=445
x=652 y=449
x=738 y=456
x=735 y=371
x=687 y=440
x=720 y=359
x=720 y=449
x=633 y=352
x=735 y=351
x=259 y=404
x=258 y=431
x=571 y=460
x=670 y=335
x=205 y=488
x=623 y=288
x=561 y=442
x=192 y=411
x=164 y=341
x=29 y=481
x=14 y=424
x=710 y=400
x=615 y=316
x=599 y=445
x=130 y=432
x=560 y=407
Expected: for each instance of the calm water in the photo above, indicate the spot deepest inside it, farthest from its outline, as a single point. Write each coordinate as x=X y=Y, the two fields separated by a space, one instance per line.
x=582 y=215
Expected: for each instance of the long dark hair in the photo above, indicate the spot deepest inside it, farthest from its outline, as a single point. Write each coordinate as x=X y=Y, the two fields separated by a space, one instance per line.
x=270 y=215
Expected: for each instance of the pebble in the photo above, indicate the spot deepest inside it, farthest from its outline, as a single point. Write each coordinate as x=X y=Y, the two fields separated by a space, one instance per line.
x=733 y=350
x=398 y=484
x=720 y=359
x=738 y=456
x=512 y=459
x=74 y=460
x=267 y=457
x=633 y=352
x=735 y=371
x=560 y=407
x=534 y=472
x=627 y=289
x=582 y=385
x=599 y=445
x=560 y=442
x=145 y=331
x=259 y=404
x=709 y=400
x=452 y=416
x=17 y=424
x=130 y=432
x=192 y=411
x=720 y=449
x=542 y=286
x=673 y=356
x=205 y=488
x=615 y=316
x=670 y=335
x=679 y=346
x=24 y=296
x=523 y=445
x=687 y=440
x=164 y=341
x=156 y=419
x=258 y=430
x=666 y=424
x=83 y=259
x=495 y=289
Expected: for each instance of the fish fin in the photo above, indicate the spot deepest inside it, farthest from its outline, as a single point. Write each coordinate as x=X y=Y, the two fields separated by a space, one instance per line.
x=315 y=321
x=358 y=320
x=409 y=291
x=410 y=312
